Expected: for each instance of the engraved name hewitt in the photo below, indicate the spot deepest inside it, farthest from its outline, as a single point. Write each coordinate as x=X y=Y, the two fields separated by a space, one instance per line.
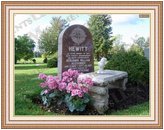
x=78 y=48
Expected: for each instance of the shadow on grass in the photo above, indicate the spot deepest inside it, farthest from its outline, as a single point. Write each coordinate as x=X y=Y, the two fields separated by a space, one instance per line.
x=32 y=66
x=29 y=78
x=26 y=88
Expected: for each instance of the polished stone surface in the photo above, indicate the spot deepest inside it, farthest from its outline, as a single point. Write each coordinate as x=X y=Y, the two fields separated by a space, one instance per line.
x=75 y=49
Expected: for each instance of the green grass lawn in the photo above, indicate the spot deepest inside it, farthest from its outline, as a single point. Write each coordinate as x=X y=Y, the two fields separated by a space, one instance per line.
x=38 y=61
x=27 y=86
x=140 y=109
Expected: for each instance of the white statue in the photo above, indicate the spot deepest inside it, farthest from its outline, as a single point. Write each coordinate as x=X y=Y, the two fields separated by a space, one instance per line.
x=101 y=65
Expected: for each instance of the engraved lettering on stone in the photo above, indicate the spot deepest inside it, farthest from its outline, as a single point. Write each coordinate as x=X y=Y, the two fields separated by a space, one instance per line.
x=75 y=50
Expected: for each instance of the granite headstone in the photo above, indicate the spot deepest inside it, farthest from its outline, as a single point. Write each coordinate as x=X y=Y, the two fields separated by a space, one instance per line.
x=75 y=50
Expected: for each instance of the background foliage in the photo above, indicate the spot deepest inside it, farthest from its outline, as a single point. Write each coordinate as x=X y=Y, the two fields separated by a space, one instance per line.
x=101 y=30
x=136 y=65
x=24 y=47
x=48 y=41
x=51 y=63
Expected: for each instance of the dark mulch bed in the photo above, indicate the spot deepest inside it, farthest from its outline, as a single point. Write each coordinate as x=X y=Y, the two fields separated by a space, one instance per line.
x=134 y=94
x=62 y=109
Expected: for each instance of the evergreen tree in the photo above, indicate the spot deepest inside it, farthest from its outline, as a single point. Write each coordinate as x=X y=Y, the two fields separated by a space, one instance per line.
x=100 y=27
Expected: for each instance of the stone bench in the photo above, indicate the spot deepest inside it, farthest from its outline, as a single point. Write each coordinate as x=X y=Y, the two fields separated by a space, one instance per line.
x=103 y=82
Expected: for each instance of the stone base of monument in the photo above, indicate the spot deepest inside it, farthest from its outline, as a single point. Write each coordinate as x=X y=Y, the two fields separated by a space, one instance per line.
x=103 y=82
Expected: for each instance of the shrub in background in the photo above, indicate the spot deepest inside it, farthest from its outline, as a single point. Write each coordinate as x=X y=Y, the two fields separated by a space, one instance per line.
x=52 y=62
x=34 y=61
x=136 y=65
x=45 y=60
x=136 y=48
x=115 y=49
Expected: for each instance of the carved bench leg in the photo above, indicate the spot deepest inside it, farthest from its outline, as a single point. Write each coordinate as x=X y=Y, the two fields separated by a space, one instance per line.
x=124 y=83
x=100 y=102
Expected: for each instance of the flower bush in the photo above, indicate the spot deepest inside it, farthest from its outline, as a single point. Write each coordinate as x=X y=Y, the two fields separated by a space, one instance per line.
x=69 y=89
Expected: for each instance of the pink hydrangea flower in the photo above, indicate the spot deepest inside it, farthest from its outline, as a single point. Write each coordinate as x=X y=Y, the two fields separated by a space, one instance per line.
x=74 y=92
x=79 y=81
x=65 y=78
x=57 y=79
x=43 y=85
x=80 y=93
x=46 y=91
x=65 y=74
x=85 y=89
x=42 y=76
x=76 y=86
x=51 y=82
x=69 y=80
x=71 y=73
x=88 y=81
x=69 y=87
x=62 y=86
x=69 y=83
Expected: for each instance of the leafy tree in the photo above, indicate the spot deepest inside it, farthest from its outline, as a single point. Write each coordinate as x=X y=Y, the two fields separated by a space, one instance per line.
x=136 y=48
x=48 y=41
x=147 y=43
x=141 y=42
x=118 y=40
x=118 y=45
x=24 y=47
x=117 y=48
x=100 y=27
